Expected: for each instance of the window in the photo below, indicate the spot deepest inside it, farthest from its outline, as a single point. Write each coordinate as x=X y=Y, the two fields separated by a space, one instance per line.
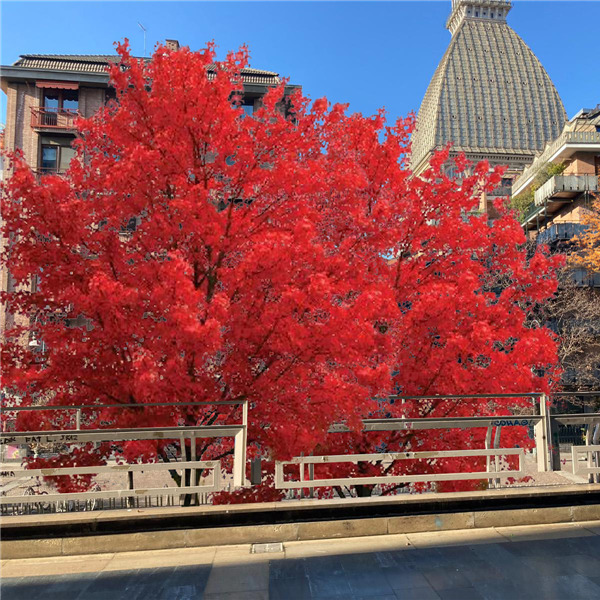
x=55 y=154
x=51 y=100
x=55 y=102
x=70 y=100
x=49 y=158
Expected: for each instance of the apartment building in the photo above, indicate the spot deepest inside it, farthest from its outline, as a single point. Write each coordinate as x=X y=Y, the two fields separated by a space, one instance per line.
x=46 y=93
x=561 y=184
x=556 y=191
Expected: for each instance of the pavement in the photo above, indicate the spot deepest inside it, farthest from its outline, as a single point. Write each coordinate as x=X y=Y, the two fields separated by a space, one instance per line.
x=537 y=562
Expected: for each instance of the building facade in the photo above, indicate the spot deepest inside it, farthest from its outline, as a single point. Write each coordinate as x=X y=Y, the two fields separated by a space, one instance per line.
x=46 y=93
x=559 y=196
x=490 y=96
x=556 y=191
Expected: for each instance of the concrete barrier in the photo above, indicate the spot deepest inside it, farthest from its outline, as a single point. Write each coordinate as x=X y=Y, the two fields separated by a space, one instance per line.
x=126 y=531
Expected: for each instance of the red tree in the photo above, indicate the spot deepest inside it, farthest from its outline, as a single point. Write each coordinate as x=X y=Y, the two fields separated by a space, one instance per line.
x=259 y=270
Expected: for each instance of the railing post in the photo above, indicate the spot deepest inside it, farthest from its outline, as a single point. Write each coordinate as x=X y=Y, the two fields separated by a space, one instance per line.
x=555 y=443
x=256 y=471
x=488 y=445
x=496 y=458
x=239 y=457
x=78 y=419
x=542 y=441
x=301 y=465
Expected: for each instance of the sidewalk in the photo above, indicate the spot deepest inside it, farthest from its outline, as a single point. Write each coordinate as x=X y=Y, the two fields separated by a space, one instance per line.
x=513 y=563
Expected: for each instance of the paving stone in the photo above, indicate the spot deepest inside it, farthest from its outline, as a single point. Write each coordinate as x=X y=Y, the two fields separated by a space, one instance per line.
x=530 y=548
x=420 y=593
x=573 y=587
x=547 y=567
x=446 y=578
x=402 y=579
x=388 y=559
x=460 y=594
x=324 y=565
x=115 y=580
x=287 y=569
x=386 y=597
x=497 y=554
x=289 y=588
x=238 y=578
x=479 y=570
x=369 y=582
x=181 y=592
x=560 y=568
x=364 y=562
x=457 y=556
x=190 y=575
x=507 y=590
x=329 y=586
x=254 y=595
x=422 y=557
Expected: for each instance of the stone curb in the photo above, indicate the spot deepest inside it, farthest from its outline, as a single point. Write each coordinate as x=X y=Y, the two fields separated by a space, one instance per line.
x=287 y=532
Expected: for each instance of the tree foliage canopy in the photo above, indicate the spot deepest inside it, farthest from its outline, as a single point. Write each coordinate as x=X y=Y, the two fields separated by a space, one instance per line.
x=588 y=255
x=289 y=259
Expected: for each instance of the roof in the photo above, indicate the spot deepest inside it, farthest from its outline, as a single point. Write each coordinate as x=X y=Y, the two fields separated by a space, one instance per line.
x=97 y=63
x=490 y=94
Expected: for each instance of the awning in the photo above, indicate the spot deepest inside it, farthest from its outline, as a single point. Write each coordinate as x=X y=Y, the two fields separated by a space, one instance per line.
x=58 y=85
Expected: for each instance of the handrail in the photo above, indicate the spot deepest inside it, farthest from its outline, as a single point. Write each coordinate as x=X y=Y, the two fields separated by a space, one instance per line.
x=86 y=406
x=53 y=118
x=566 y=137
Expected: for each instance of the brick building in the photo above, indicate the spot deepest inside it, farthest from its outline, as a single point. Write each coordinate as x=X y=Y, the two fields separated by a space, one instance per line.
x=45 y=93
x=556 y=191
x=558 y=201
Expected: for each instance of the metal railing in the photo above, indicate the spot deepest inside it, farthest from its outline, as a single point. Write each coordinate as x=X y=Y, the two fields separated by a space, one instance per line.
x=565 y=185
x=558 y=232
x=77 y=435
x=540 y=422
x=591 y=454
x=54 y=118
x=583 y=278
x=213 y=466
x=567 y=137
x=311 y=482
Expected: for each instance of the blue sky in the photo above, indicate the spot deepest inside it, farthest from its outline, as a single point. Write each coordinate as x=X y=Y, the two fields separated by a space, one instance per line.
x=369 y=54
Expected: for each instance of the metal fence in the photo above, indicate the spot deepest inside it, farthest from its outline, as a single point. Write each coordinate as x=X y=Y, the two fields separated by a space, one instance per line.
x=200 y=479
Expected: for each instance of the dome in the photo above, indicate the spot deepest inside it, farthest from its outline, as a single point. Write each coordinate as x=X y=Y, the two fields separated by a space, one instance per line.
x=490 y=96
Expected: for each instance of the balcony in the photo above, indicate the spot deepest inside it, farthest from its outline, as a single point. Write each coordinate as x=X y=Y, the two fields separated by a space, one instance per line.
x=558 y=150
x=583 y=278
x=54 y=118
x=560 y=232
x=565 y=187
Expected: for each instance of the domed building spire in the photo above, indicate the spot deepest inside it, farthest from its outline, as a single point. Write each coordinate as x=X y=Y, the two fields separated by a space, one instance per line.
x=490 y=97
x=494 y=10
